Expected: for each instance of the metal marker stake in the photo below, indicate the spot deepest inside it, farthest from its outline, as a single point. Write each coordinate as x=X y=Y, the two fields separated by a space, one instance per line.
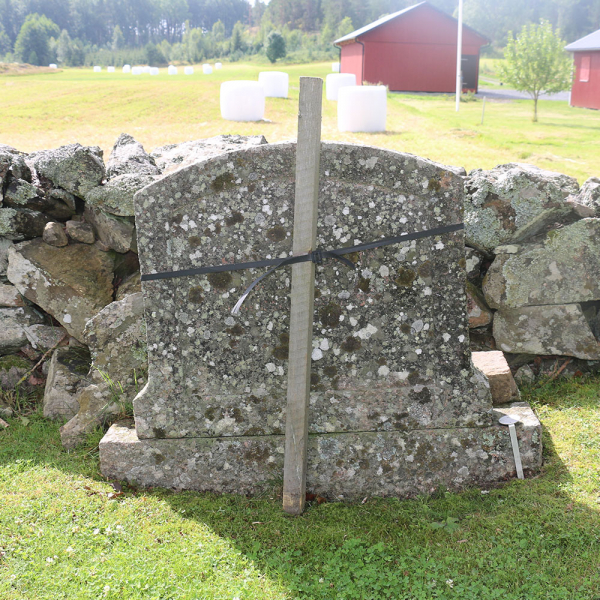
x=483 y=111
x=510 y=421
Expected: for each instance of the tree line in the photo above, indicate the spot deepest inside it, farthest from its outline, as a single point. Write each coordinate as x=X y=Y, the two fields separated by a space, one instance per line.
x=77 y=32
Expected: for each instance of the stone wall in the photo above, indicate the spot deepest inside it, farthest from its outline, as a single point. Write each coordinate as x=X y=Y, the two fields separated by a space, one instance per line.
x=69 y=272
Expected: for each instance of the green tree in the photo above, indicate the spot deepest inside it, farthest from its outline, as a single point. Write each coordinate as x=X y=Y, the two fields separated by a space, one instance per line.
x=5 y=43
x=64 y=48
x=237 y=38
x=153 y=54
x=344 y=28
x=118 y=39
x=535 y=62
x=33 y=41
x=275 y=46
x=218 y=31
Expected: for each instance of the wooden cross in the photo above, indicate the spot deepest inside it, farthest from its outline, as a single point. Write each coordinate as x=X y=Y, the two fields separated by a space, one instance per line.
x=308 y=154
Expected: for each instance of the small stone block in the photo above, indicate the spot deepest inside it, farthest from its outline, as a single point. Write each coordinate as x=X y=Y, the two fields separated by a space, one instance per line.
x=54 y=235
x=502 y=384
x=79 y=231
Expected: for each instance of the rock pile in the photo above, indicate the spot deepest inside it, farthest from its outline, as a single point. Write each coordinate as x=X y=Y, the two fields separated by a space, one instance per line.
x=69 y=272
x=537 y=236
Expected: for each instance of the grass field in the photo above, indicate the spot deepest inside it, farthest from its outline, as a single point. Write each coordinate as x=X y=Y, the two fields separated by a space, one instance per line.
x=46 y=110
x=65 y=534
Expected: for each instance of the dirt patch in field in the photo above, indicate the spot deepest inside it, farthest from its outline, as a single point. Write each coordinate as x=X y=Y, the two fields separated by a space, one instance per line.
x=23 y=69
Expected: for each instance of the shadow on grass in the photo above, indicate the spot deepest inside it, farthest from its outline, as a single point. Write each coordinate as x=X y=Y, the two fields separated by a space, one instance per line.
x=525 y=539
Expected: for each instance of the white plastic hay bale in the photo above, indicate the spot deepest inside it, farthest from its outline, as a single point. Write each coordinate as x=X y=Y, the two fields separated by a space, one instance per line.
x=172 y=70
x=97 y=69
x=335 y=81
x=146 y=69
x=126 y=68
x=137 y=70
x=188 y=70
x=335 y=67
x=154 y=71
x=206 y=69
x=242 y=100
x=53 y=66
x=362 y=108
x=275 y=83
x=110 y=69
x=218 y=66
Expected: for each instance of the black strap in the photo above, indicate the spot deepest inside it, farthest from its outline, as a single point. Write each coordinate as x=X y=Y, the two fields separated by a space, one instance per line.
x=315 y=256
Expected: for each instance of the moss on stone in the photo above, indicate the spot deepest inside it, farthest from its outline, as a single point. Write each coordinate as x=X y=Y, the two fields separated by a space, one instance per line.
x=220 y=281
x=13 y=360
x=351 y=344
x=235 y=218
x=276 y=234
x=195 y=295
x=405 y=277
x=330 y=314
x=364 y=285
x=222 y=182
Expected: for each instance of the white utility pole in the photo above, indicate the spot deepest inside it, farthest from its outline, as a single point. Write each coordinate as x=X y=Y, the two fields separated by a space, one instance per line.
x=459 y=55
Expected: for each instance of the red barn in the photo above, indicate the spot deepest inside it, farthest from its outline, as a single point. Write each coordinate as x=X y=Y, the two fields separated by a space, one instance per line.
x=413 y=50
x=586 y=84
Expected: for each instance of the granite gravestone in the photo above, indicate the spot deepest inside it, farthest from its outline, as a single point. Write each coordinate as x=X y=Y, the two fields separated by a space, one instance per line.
x=396 y=407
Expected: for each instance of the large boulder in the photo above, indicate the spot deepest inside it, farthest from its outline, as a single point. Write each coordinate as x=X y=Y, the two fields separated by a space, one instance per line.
x=44 y=337
x=5 y=163
x=116 y=196
x=72 y=283
x=81 y=232
x=115 y=233
x=117 y=340
x=95 y=407
x=587 y=202
x=12 y=164
x=513 y=202
x=22 y=194
x=14 y=323
x=129 y=157
x=67 y=373
x=9 y=296
x=564 y=268
x=173 y=157
x=562 y=330
x=129 y=169
x=22 y=223
x=74 y=168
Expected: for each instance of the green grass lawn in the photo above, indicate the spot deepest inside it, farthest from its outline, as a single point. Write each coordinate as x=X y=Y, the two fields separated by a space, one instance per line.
x=49 y=109
x=64 y=534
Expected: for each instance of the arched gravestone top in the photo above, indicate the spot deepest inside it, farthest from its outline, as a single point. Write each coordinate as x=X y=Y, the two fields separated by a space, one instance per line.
x=390 y=338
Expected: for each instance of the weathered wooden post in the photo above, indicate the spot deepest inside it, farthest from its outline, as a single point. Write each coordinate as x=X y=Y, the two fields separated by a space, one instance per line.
x=308 y=153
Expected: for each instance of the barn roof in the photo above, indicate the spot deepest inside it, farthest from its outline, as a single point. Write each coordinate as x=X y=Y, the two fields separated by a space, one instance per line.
x=355 y=34
x=589 y=42
x=352 y=36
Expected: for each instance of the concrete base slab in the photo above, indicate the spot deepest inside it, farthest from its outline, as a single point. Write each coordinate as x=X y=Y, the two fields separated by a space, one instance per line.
x=346 y=466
